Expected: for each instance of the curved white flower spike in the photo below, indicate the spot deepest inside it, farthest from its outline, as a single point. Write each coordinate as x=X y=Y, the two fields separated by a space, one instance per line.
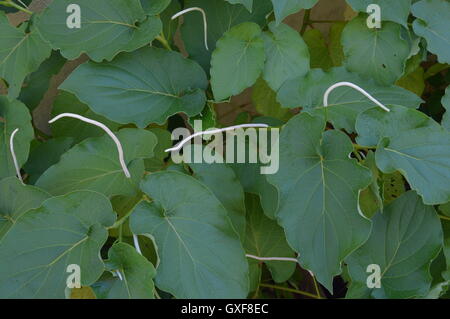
x=354 y=86
x=13 y=154
x=103 y=127
x=190 y=137
x=272 y=258
x=119 y=274
x=205 y=23
x=136 y=244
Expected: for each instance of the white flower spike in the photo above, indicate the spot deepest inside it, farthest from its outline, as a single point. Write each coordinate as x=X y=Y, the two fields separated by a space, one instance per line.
x=103 y=127
x=187 y=139
x=272 y=258
x=136 y=244
x=205 y=23
x=13 y=154
x=353 y=86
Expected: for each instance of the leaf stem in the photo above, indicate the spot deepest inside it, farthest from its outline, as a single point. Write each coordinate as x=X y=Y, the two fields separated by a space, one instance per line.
x=306 y=21
x=363 y=148
x=162 y=39
x=443 y=217
x=325 y=21
x=295 y=291
x=316 y=286
x=10 y=3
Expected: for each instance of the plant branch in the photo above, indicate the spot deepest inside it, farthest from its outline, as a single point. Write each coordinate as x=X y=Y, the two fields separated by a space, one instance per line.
x=306 y=21
x=10 y=3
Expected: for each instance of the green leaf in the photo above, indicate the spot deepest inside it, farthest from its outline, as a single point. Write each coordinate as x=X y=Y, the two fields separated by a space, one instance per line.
x=154 y=7
x=94 y=165
x=43 y=242
x=136 y=271
x=13 y=114
x=423 y=157
x=237 y=61
x=318 y=187
x=265 y=238
x=66 y=102
x=157 y=163
x=396 y=11
x=116 y=25
x=283 y=8
x=265 y=101
x=393 y=186
x=319 y=52
x=222 y=182
x=246 y=3
x=143 y=87
x=446 y=103
x=370 y=199
x=37 y=83
x=344 y=103
x=335 y=47
x=376 y=53
x=374 y=124
x=170 y=26
x=196 y=242
x=432 y=24
x=287 y=55
x=404 y=241
x=16 y=199
x=222 y=16
x=45 y=155
x=21 y=54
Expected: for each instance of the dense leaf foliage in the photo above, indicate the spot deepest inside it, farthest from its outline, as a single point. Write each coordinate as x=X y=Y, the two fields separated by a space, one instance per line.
x=358 y=206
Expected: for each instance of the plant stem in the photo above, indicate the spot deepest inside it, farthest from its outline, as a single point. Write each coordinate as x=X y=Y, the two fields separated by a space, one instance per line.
x=443 y=217
x=9 y=3
x=364 y=148
x=306 y=21
x=295 y=291
x=162 y=39
x=317 y=288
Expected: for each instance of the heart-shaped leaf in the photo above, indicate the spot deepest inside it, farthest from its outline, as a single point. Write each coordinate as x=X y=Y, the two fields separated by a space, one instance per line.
x=42 y=243
x=196 y=242
x=143 y=87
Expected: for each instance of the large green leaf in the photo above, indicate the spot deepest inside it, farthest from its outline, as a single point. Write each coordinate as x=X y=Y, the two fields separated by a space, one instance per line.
x=94 y=165
x=143 y=87
x=283 y=8
x=287 y=55
x=404 y=241
x=265 y=238
x=13 y=114
x=222 y=181
x=107 y=28
x=237 y=61
x=221 y=16
x=196 y=242
x=375 y=123
x=375 y=53
x=44 y=155
x=395 y=11
x=344 y=103
x=318 y=187
x=423 y=157
x=21 y=53
x=37 y=83
x=136 y=271
x=43 y=242
x=15 y=200
x=446 y=103
x=66 y=102
x=319 y=51
x=432 y=24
